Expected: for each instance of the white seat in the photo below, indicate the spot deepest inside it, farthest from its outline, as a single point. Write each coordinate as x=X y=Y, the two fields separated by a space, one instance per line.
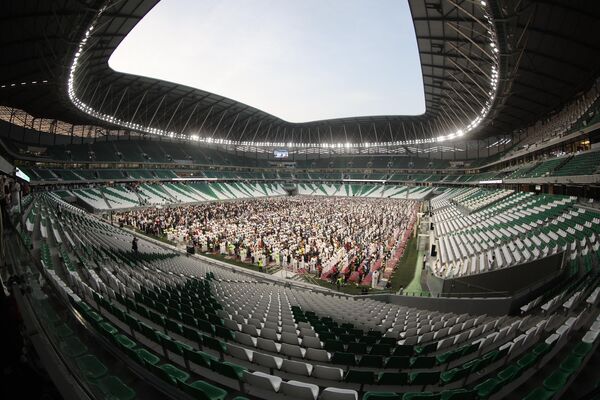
x=311 y=341
x=317 y=355
x=268 y=333
x=590 y=337
x=304 y=332
x=240 y=352
x=327 y=373
x=268 y=345
x=331 y=393
x=261 y=380
x=296 y=367
x=245 y=339
x=267 y=360
x=300 y=390
x=250 y=330
x=290 y=338
x=291 y=350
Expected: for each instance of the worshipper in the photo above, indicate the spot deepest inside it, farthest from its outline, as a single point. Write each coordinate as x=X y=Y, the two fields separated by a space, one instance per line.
x=337 y=233
x=375 y=278
x=260 y=265
x=134 y=245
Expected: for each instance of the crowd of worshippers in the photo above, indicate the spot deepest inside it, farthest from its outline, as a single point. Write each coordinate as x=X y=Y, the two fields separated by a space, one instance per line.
x=300 y=234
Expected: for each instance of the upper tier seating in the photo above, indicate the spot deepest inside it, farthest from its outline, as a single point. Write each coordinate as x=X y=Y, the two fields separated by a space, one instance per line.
x=364 y=190
x=587 y=163
x=121 y=196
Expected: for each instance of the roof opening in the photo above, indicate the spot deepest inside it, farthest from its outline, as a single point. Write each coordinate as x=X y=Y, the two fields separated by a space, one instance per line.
x=298 y=60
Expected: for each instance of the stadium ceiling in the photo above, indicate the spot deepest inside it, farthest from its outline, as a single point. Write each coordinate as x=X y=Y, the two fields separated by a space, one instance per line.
x=488 y=68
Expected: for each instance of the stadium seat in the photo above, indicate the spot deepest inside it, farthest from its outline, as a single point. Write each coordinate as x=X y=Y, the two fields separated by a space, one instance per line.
x=91 y=367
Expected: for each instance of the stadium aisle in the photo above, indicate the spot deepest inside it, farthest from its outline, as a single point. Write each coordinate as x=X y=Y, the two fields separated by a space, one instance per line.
x=415 y=285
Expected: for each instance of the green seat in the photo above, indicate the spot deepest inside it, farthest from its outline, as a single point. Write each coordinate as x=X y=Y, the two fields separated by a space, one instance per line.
x=334 y=346
x=582 y=349
x=203 y=391
x=63 y=331
x=173 y=374
x=509 y=373
x=424 y=378
x=199 y=358
x=120 y=314
x=224 y=333
x=114 y=389
x=425 y=349
x=73 y=347
x=539 y=394
x=382 y=396
x=174 y=326
x=557 y=380
x=205 y=326
x=454 y=375
x=162 y=338
x=541 y=348
x=214 y=344
x=108 y=329
x=571 y=364
x=192 y=334
x=132 y=322
x=371 y=361
x=343 y=358
x=421 y=396
x=370 y=340
x=228 y=370
x=403 y=350
x=357 y=348
x=147 y=358
x=527 y=360
x=468 y=349
x=362 y=377
x=176 y=346
x=448 y=356
x=124 y=342
x=94 y=317
x=392 y=378
x=458 y=394
x=380 y=350
x=83 y=306
x=397 y=362
x=147 y=330
x=91 y=367
x=487 y=387
x=422 y=362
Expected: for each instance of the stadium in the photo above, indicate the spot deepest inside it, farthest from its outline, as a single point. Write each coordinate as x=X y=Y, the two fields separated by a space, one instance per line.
x=164 y=238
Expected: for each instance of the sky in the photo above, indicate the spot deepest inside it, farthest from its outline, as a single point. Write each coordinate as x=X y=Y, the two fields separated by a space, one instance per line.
x=301 y=61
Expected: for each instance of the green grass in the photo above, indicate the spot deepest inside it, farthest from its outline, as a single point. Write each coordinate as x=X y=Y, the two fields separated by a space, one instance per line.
x=405 y=270
x=415 y=284
x=237 y=263
x=159 y=238
x=350 y=288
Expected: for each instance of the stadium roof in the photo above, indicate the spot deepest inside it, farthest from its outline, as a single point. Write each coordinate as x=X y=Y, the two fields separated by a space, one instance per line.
x=488 y=68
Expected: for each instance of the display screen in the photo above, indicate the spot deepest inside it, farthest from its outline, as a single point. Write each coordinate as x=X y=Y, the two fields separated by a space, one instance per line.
x=280 y=153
